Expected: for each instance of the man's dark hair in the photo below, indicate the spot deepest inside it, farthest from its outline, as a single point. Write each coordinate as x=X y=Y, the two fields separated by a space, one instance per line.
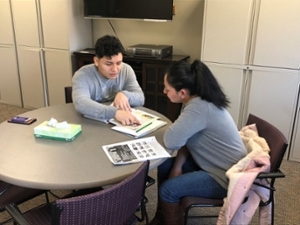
x=108 y=46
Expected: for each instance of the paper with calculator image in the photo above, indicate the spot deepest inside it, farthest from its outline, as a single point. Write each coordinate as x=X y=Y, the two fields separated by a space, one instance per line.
x=149 y=123
x=135 y=151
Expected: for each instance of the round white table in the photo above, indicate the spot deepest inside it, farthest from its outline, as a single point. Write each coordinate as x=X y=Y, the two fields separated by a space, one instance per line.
x=48 y=164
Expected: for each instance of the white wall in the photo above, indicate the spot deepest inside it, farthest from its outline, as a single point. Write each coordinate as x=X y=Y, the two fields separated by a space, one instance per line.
x=184 y=32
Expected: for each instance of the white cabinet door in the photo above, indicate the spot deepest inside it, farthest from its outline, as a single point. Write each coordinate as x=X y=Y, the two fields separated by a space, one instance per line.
x=64 y=30
x=31 y=77
x=278 y=33
x=232 y=80
x=9 y=81
x=226 y=31
x=272 y=97
x=6 y=36
x=64 y=26
x=54 y=16
x=59 y=74
x=26 y=22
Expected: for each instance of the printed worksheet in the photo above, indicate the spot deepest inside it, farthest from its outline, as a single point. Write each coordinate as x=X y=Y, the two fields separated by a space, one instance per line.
x=135 y=151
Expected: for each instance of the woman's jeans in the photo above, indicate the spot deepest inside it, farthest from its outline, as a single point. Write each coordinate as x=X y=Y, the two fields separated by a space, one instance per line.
x=192 y=182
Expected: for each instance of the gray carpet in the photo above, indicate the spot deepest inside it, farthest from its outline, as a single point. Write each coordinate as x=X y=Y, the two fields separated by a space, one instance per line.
x=287 y=202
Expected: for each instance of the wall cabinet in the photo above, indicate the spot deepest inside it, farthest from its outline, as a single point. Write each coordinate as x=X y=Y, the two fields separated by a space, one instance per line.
x=29 y=52
x=72 y=32
x=278 y=34
x=45 y=35
x=9 y=79
x=244 y=44
x=150 y=75
x=26 y=23
x=32 y=82
x=232 y=80
x=272 y=96
x=225 y=48
x=59 y=74
x=7 y=36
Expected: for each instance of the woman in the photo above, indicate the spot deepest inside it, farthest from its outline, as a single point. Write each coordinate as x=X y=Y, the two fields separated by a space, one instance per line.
x=206 y=136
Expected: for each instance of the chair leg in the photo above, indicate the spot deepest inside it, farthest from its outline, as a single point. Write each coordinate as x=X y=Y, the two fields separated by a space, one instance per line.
x=47 y=196
x=272 y=212
x=144 y=211
x=186 y=215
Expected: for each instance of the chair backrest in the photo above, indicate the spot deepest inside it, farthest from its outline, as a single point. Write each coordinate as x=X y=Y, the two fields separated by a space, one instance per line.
x=114 y=205
x=68 y=94
x=274 y=137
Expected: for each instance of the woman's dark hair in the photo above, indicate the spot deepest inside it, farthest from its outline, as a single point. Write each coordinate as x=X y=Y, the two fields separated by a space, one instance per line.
x=198 y=80
x=108 y=46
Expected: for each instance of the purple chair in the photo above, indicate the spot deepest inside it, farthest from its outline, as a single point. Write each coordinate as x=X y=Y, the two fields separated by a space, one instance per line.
x=115 y=205
x=277 y=144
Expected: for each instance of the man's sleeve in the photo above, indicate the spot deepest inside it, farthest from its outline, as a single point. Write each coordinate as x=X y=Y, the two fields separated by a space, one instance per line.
x=83 y=102
x=132 y=89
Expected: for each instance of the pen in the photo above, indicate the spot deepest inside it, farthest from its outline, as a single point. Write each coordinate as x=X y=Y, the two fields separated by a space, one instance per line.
x=138 y=130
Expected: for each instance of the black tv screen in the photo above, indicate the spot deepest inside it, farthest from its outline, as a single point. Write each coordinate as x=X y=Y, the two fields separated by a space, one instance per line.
x=129 y=9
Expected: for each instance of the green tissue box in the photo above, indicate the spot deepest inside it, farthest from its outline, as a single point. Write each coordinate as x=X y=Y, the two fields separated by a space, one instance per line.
x=60 y=134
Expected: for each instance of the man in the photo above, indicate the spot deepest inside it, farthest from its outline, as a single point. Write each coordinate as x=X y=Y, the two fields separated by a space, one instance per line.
x=107 y=80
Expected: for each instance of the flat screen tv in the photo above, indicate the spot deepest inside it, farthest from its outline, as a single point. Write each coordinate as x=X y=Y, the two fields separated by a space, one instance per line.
x=129 y=9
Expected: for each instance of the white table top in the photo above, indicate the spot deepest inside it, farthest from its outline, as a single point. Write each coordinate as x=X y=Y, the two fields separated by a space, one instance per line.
x=48 y=164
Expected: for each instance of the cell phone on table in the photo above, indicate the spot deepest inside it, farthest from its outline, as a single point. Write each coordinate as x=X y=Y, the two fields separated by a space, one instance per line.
x=22 y=120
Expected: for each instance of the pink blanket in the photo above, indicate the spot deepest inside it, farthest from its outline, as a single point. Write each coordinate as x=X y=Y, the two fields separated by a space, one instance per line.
x=241 y=177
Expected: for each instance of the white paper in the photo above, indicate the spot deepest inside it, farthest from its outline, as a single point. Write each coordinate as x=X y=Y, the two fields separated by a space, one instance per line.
x=135 y=151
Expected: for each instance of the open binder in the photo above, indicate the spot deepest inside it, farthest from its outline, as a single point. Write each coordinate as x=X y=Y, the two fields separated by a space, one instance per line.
x=149 y=123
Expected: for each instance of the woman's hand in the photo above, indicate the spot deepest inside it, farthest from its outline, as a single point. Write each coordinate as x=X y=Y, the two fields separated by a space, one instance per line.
x=182 y=155
x=175 y=172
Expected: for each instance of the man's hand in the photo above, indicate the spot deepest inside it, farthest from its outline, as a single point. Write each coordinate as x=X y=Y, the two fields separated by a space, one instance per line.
x=126 y=118
x=121 y=102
